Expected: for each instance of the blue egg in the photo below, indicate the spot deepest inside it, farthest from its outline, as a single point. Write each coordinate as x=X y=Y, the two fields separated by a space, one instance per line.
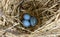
x=33 y=21
x=26 y=16
x=26 y=23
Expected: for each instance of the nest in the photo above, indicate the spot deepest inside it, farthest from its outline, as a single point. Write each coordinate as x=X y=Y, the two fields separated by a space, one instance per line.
x=12 y=11
x=29 y=8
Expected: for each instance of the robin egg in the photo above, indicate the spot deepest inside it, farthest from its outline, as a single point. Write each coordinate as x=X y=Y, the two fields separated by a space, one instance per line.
x=26 y=23
x=33 y=21
x=26 y=16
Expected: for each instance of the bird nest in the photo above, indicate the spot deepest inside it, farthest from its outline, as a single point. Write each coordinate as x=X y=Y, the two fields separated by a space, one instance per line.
x=35 y=8
x=13 y=11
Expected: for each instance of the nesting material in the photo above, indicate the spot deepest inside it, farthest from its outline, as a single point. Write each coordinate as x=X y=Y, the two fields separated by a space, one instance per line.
x=47 y=13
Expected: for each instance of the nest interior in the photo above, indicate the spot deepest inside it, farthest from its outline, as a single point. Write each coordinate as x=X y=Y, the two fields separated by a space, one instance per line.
x=34 y=9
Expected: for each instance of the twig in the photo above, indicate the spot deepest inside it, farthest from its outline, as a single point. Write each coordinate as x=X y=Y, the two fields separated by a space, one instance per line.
x=50 y=8
x=46 y=2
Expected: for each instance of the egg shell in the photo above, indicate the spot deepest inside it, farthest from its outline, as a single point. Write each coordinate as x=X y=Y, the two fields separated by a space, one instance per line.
x=26 y=16
x=33 y=21
x=26 y=23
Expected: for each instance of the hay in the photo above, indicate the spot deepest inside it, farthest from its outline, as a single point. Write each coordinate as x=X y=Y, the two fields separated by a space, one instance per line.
x=46 y=11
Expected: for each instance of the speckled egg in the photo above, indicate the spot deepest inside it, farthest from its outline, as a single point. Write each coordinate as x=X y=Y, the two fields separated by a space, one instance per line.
x=26 y=23
x=26 y=16
x=33 y=21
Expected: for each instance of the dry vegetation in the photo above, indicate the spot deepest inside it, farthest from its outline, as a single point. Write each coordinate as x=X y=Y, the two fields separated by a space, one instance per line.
x=46 y=11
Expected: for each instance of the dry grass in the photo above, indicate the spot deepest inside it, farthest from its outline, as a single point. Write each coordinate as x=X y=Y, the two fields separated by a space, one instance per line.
x=46 y=11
